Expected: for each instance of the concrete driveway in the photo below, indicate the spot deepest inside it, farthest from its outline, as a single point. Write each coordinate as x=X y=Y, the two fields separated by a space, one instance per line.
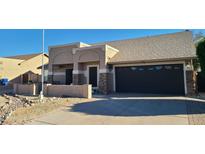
x=111 y=110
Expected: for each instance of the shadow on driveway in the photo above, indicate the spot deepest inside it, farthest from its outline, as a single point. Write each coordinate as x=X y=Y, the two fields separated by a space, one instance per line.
x=139 y=107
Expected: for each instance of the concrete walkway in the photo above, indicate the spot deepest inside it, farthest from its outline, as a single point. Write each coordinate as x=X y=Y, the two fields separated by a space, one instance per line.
x=127 y=110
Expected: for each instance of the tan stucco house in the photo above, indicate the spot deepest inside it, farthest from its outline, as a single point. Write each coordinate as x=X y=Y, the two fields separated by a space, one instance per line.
x=156 y=65
x=22 y=68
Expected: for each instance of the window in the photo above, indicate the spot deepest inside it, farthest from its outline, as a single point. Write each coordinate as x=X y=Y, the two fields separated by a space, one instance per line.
x=133 y=68
x=151 y=69
x=176 y=68
x=168 y=67
x=158 y=67
x=141 y=69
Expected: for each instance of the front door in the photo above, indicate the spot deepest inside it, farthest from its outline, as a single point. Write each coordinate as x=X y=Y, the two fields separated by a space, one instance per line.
x=93 y=75
x=69 y=76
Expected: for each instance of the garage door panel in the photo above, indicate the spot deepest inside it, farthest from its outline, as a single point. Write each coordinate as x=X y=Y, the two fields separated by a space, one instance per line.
x=159 y=79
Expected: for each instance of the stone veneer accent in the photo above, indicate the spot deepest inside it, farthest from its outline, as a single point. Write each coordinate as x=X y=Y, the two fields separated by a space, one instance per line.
x=191 y=82
x=78 y=79
x=105 y=83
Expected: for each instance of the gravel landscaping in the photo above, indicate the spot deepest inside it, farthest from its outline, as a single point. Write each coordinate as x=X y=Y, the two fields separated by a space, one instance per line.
x=2 y=101
x=21 y=109
x=11 y=103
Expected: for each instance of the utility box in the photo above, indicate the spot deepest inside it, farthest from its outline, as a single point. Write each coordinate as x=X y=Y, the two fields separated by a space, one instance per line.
x=4 y=81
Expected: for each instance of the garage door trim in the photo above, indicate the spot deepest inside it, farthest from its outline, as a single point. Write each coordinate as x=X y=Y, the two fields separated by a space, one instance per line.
x=149 y=64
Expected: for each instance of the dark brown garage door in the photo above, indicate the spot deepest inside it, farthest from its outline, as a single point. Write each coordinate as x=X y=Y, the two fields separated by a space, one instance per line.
x=155 y=79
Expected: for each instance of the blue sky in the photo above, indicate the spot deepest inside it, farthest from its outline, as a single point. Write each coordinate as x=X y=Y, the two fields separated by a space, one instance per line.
x=15 y=42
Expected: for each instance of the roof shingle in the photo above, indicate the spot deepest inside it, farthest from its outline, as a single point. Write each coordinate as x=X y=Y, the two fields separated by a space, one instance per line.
x=24 y=57
x=169 y=46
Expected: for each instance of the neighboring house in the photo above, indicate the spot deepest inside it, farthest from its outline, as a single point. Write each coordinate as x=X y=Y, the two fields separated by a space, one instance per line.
x=22 y=68
x=155 y=65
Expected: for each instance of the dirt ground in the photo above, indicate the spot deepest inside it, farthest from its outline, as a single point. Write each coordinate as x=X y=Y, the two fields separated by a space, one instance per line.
x=2 y=101
x=24 y=115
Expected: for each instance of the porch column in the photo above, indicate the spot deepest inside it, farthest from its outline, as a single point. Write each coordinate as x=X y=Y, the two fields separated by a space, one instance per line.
x=77 y=74
x=77 y=77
